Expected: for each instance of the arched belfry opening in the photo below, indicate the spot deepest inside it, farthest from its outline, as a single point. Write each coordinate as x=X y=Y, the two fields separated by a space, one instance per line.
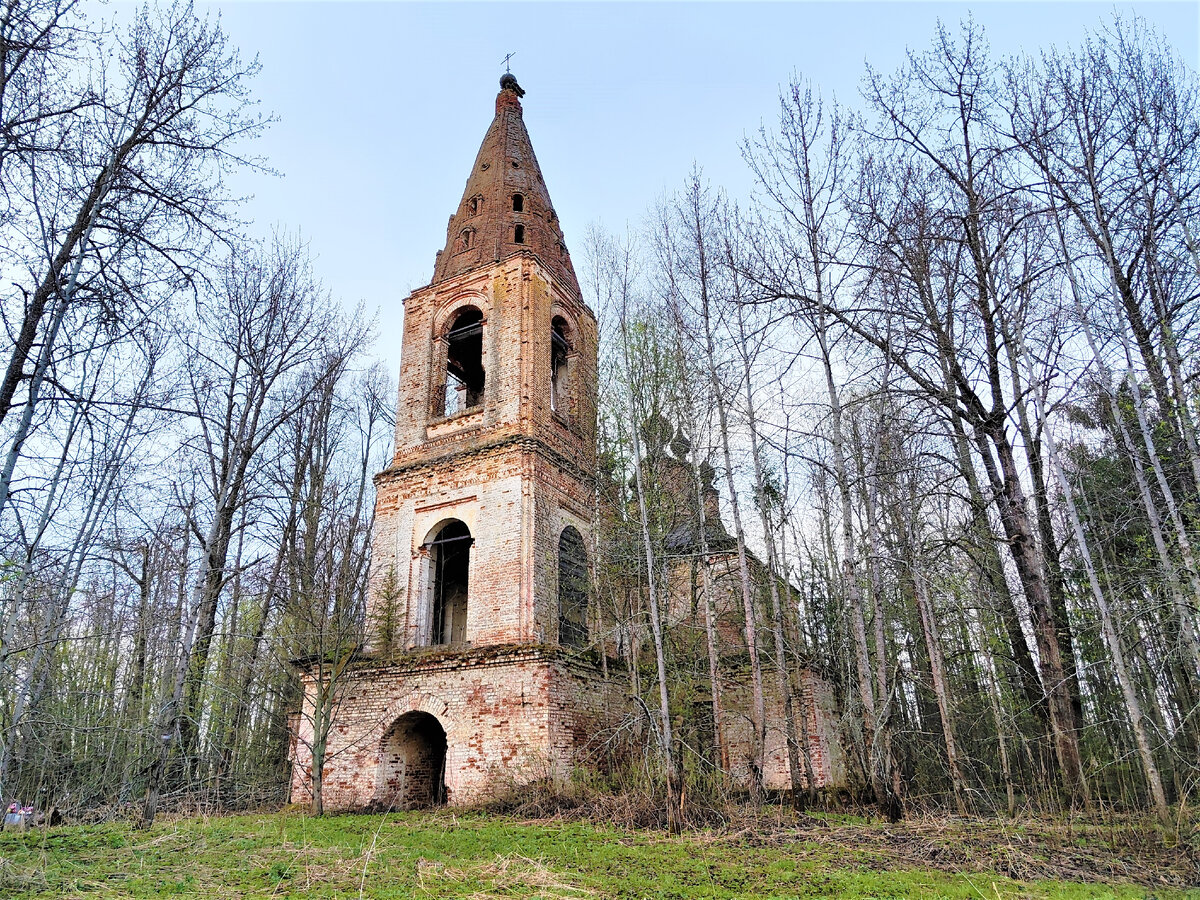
x=412 y=763
x=449 y=550
x=464 y=382
x=572 y=589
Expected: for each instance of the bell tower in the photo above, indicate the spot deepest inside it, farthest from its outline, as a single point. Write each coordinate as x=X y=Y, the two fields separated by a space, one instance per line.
x=490 y=494
x=479 y=666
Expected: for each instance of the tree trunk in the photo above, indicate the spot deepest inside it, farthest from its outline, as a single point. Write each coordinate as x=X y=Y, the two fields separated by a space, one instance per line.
x=697 y=221
x=1186 y=623
x=1117 y=654
x=874 y=744
x=1004 y=475
x=992 y=569
x=675 y=811
x=783 y=683
x=710 y=628
x=937 y=670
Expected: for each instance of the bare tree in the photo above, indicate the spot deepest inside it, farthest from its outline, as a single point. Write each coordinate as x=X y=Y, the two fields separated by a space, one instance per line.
x=111 y=221
x=617 y=275
x=266 y=341
x=697 y=260
x=1120 y=667
x=943 y=199
x=801 y=171
x=328 y=553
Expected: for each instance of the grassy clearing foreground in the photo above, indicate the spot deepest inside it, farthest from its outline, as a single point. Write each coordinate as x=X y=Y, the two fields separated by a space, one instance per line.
x=443 y=854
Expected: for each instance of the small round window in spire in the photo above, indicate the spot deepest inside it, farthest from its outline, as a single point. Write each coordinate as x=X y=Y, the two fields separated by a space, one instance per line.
x=485 y=166
x=515 y=164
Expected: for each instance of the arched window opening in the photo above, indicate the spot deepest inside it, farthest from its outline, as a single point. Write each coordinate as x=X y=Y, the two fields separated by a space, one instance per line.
x=473 y=206
x=559 y=351
x=465 y=239
x=449 y=566
x=464 y=363
x=572 y=589
x=519 y=234
x=518 y=203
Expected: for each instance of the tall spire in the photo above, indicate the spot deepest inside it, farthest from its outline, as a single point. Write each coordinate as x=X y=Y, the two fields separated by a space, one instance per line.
x=505 y=208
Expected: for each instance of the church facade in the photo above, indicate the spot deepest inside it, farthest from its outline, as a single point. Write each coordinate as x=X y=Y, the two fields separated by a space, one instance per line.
x=481 y=670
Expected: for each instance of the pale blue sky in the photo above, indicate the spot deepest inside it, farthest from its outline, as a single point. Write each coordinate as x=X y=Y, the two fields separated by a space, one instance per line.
x=382 y=106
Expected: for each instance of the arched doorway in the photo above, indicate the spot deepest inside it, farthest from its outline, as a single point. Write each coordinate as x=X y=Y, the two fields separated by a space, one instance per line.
x=412 y=763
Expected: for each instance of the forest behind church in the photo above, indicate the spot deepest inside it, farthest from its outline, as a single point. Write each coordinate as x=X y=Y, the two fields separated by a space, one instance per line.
x=940 y=366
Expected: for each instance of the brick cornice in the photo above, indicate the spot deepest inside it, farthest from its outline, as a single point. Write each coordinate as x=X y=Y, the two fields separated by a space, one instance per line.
x=524 y=442
x=441 y=659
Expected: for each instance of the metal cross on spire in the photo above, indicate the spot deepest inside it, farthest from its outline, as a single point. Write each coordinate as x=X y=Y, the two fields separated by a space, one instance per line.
x=507 y=58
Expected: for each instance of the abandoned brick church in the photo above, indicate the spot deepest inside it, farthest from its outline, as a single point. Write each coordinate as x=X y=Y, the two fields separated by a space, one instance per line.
x=485 y=667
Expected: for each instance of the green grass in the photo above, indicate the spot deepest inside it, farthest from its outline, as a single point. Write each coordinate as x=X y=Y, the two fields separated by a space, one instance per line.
x=442 y=855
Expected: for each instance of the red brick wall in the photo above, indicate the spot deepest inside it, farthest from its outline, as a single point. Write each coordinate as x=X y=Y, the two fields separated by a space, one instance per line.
x=825 y=749
x=514 y=471
x=519 y=299
x=510 y=714
x=824 y=746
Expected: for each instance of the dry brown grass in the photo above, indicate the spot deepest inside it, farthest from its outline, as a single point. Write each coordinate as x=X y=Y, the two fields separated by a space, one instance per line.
x=506 y=876
x=1130 y=851
x=1108 y=848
